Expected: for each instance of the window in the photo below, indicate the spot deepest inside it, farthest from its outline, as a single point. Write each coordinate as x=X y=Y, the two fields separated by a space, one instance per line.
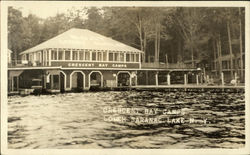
x=132 y=57
x=75 y=55
x=122 y=57
x=81 y=55
x=30 y=57
x=137 y=57
x=60 y=55
x=128 y=57
x=24 y=57
x=104 y=56
x=94 y=56
x=111 y=57
x=99 y=56
x=87 y=56
x=116 y=57
x=53 y=55
x=67 y=55
x=47 y=55
x=38 y=56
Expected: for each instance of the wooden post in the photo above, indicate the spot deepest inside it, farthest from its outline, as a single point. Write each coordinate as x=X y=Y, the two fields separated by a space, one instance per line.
x=230 y=49
x=168 y=76
x=12 y=83
x=156 y=79
x=222 y=78
x=197 y=79
x=185 y=79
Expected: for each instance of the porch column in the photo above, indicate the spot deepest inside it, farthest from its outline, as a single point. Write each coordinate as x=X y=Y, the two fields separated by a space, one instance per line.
x=185 y=79
x=71 y=54
x=43 y=53
x=49 y=57
x=101 y=79
x=135 y=78
x=40 y=57
x=197 y=79
x=125 y=58
x=156 y=79
x=222 y=78
x=168 y=79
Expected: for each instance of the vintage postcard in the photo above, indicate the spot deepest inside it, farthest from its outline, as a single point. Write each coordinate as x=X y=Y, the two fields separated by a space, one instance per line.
x=124 y=77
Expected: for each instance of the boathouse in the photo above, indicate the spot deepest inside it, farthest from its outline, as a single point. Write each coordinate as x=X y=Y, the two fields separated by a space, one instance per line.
x=79 y=59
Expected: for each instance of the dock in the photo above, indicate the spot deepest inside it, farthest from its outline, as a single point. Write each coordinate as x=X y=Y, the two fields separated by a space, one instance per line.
x=190 y=88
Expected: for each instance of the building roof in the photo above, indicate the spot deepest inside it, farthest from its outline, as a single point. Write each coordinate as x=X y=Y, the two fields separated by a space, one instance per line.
x=82 y=39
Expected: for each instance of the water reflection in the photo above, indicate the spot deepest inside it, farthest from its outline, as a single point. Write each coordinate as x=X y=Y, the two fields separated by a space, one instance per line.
x=76 y=120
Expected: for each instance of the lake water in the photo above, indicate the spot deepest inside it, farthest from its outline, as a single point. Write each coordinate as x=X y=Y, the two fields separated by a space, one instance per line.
x=127 y=119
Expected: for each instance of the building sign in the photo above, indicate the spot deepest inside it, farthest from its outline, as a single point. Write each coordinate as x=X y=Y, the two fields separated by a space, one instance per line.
x=95 y=64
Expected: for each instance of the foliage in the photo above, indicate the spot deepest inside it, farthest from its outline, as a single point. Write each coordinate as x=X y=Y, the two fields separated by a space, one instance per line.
x=177 y=34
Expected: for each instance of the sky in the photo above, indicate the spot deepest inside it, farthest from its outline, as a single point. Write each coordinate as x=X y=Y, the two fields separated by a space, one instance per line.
x=43 y=10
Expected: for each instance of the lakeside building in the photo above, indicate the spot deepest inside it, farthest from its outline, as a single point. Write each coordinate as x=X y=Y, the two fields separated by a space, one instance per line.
x=79 y=59
x=222 y=64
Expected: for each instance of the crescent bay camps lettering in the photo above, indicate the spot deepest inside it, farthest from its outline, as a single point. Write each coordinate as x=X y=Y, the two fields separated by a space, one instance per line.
x=104 y=65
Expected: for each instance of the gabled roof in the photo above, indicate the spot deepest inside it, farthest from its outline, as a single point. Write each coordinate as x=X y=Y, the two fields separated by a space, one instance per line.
x=82 y=39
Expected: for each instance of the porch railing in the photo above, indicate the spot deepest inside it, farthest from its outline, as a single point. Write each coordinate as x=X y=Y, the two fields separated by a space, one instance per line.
x=21 y=63
x=166 y=65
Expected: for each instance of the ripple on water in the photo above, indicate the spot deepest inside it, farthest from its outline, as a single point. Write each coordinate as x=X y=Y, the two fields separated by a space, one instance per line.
x=75 y=120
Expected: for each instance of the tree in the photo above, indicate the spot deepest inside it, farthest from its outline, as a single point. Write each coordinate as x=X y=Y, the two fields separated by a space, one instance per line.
x=189 y=21
x=15 y=31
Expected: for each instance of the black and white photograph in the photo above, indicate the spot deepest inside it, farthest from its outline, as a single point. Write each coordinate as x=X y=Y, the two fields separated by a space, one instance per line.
x=124 y=75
